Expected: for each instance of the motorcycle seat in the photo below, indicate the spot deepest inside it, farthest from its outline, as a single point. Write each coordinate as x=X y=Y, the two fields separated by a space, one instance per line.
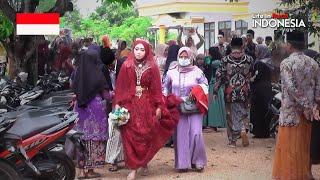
x=42 y=112
x=26 y=127
x=52 y=101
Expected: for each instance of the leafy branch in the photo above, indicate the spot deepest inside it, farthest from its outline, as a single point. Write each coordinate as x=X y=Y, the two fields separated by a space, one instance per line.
x=306 y=10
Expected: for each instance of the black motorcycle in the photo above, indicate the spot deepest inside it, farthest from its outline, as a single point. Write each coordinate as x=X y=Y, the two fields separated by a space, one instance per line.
x=274 y=109
x=8 y=170
x=30 y=145
x=15 y=94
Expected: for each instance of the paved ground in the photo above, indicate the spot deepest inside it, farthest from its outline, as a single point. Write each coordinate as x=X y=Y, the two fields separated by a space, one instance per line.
x=249 y=163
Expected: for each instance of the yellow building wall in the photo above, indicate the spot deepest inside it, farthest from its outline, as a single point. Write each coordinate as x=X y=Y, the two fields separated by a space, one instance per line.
x=185 y=6
x=243 y=10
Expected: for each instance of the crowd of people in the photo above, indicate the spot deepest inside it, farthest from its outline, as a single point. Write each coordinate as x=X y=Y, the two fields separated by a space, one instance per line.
x=173 y=94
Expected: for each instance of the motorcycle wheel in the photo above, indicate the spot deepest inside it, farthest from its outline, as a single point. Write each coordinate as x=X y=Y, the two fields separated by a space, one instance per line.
x=66 y=171
x=7 y=172
x=67 y=168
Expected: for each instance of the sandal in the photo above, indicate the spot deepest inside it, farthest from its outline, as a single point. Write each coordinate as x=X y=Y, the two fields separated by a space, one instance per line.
x=92 y=175
x=199 y=169
x=82 y=174
x=113 y=168
x=144 y=171
x=183 y=170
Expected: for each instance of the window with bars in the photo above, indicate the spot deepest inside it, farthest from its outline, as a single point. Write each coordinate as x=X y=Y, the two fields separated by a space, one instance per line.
x=225 y=27
x=209 y=35
x=241 y=27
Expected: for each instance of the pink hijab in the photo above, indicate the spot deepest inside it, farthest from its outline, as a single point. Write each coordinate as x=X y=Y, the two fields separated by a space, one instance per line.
x=190 y=55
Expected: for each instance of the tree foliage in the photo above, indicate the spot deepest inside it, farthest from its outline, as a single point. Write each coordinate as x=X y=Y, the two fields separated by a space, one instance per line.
x=115 y=13
x=122 y=2
x=307 y=10
x=132 y=28
x=22 y=51
x=114 y=19
x=45 y=5
x=6 y=27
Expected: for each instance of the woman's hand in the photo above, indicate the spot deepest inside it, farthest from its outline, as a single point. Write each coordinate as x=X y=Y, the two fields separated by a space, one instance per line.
x=158 y=113
x=112 y=94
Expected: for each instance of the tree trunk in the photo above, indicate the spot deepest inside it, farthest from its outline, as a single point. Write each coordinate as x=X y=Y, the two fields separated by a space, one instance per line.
x=22 y=56
x=22 y=50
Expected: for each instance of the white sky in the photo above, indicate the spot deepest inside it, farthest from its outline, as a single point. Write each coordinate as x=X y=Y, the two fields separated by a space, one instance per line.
x=86 y=7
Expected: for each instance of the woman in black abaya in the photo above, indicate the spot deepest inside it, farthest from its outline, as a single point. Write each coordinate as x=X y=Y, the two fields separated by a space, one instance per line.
x=261 y=95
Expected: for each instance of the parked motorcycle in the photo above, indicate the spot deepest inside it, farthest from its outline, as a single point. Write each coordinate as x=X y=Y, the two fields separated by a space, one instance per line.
x=274 y=109
x=17 y=93
x=7 y=170
x=30 y=145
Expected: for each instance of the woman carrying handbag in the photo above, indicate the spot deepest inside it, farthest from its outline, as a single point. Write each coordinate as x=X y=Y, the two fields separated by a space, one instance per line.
x=188 y=139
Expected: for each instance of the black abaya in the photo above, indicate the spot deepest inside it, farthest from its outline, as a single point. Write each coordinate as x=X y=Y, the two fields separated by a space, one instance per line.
x=261 y=95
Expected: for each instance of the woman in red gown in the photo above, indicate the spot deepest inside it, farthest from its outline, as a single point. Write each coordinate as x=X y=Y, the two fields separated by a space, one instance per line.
x=152 y=116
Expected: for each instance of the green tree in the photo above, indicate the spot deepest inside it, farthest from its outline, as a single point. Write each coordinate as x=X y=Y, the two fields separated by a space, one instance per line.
x=132 y=28
x=307 y=10
x=123 y=2
x=6 y=27
x=114 y=12
x=94 y=28
x=22 y=51
x=125 y=24
x=171 y=36
x=71 y=20
x=45 y=5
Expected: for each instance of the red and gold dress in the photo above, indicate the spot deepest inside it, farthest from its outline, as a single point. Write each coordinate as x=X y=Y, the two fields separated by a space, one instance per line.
x=138 y=89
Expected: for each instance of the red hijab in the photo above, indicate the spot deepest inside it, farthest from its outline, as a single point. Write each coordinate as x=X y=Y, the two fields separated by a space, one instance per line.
x=126 y=81
x=148 y=57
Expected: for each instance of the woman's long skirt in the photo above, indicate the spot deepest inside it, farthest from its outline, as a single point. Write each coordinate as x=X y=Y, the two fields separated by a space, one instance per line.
x=189 y=142
x=93 y=123
x=216 y=116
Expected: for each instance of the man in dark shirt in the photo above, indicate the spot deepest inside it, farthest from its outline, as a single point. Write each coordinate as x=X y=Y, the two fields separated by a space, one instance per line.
x=250 y=46
x=268 y=40
x=235 y=74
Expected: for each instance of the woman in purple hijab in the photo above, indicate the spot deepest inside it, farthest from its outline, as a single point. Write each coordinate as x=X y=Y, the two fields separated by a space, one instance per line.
x=88 y=85
x=188 y=139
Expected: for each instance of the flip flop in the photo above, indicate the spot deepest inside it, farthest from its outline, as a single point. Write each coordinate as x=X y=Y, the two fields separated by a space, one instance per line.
x=113 y=168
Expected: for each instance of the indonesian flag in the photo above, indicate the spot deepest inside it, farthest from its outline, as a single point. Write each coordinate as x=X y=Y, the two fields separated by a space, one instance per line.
x=37 y=23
